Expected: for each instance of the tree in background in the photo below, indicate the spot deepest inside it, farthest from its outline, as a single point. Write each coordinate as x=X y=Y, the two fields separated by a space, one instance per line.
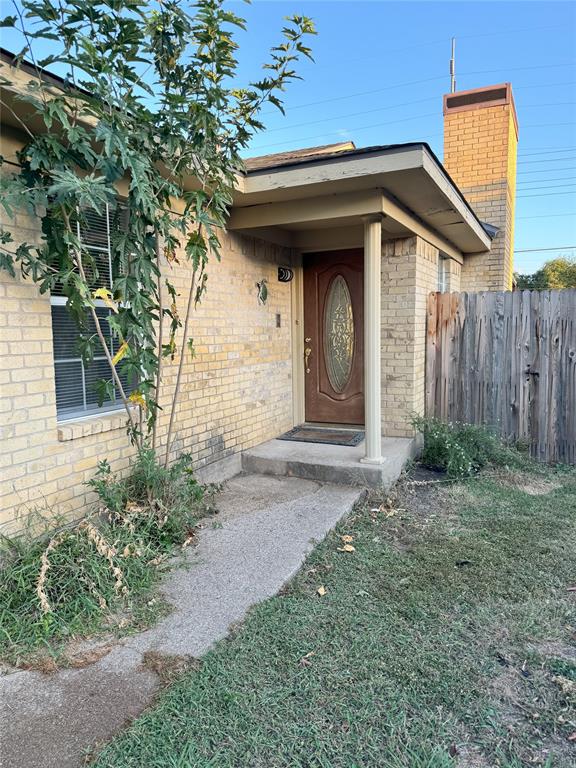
x=150 y=102
x=555 y=274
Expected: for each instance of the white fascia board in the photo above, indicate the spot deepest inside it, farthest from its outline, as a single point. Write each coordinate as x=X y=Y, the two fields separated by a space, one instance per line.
x=333 y=170
x=454 y=197
x=309 y=210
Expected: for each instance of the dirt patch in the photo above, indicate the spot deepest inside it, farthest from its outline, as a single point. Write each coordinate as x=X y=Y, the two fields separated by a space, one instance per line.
x=84 y=658
x=169 y=666
x=469 y=756
x=431 y=498
x=76 y=654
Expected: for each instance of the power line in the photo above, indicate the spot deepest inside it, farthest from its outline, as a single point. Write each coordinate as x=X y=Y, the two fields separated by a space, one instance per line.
x=547 y=194
x=392 y=106
x=553 y=186
x=352 y=130
x=547 y=125
x=407 y=119
x=548 y=160
x=510 y=32
x=547 y=216
x=540 y=250
x=549 y=170
x=350 y=114
x=544 y=85
x=442 y=41
x=548 y=152
x=360 y=93
x=418 y=82
x=544 y=181
x=549 y=104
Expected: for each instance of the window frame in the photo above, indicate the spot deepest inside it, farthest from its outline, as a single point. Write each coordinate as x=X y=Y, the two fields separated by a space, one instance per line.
x=111 y=407
x=443 y=279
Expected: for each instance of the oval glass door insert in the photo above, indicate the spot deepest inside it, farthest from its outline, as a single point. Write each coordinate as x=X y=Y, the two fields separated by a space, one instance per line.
x=338 y=334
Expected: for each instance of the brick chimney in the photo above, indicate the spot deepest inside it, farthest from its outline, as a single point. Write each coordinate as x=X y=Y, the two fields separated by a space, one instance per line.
x=480 y=142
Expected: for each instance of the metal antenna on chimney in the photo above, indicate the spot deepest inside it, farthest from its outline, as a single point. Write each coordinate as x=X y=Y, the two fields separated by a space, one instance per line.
x=453 y=67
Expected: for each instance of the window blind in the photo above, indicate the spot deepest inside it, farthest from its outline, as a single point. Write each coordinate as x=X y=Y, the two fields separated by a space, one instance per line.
x=76 y=393
x=442 y=273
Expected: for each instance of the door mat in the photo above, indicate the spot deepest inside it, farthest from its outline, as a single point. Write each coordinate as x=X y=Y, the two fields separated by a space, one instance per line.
x=323 y=435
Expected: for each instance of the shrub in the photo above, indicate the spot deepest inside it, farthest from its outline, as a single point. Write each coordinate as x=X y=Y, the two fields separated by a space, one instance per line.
x=461 y=450
x=75 y=580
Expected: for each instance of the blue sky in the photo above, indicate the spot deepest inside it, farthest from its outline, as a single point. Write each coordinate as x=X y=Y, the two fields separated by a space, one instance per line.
x=399 y=52
x=381 y=69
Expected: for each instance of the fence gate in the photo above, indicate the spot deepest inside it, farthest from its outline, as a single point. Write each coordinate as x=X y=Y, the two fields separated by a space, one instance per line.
x=506 y=359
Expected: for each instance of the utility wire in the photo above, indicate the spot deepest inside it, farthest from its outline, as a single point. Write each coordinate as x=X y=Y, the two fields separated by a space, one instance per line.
x=548 y=160
x=544 y=181
x=404 y=120
x=431 y=43
x=350 y=114
x=546 y=125
x=549 y=170
x=418 y=82
x=548 y=151
x=545 y=194
x=554 y=186
x=540 y=250
x=547 y=216
x=352 y=130
x=360 y=93
x=393 y=106
x=544 y=85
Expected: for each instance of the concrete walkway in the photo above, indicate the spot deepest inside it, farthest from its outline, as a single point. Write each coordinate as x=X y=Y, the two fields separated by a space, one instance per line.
x=268 y=526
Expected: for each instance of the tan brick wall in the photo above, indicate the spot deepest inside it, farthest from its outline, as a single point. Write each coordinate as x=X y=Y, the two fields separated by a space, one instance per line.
x=236 y=392
x=480 y=155
x=409 y=273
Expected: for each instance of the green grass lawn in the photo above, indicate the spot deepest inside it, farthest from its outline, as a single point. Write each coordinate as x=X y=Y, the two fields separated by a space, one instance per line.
x=446 y=638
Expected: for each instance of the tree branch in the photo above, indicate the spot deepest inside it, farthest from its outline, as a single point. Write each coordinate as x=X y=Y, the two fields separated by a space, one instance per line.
x=160 y=356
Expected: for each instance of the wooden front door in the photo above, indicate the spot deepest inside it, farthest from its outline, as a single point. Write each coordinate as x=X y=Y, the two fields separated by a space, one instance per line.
x=334 y=337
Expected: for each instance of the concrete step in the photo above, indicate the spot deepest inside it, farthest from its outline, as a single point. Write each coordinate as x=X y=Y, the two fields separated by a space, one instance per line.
x=330 y=463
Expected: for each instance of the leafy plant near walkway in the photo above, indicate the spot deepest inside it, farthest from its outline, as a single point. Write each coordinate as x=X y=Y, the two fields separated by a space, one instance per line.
x=460 y=450
x=97 y=574
x=442 y=638
x=149 y=121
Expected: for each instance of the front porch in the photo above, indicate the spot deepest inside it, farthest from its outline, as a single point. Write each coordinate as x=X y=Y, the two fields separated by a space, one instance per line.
x=380 y=224
x=331 y=463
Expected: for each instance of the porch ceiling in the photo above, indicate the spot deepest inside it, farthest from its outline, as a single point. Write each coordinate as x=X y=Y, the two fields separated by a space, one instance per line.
x=331 y=221
x=407 y=184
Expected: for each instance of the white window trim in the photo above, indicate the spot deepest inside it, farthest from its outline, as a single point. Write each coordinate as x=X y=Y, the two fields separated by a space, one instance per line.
x=59 y=301
x=443 y=274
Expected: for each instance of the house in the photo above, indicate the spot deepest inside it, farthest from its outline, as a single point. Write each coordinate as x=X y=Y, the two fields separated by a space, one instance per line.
x=349 y=240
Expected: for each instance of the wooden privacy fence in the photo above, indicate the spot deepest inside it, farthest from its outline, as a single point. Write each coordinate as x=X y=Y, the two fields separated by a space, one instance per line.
x=506 y=359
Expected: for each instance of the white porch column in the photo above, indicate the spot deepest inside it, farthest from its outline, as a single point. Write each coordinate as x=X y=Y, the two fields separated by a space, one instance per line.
x=372 y=344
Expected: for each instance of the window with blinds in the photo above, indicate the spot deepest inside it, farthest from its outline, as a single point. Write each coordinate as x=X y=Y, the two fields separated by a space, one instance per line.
x=76 y=393
x=442 y=273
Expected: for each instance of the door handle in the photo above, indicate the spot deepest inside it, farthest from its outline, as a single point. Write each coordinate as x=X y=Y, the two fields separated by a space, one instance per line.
x=307 y=353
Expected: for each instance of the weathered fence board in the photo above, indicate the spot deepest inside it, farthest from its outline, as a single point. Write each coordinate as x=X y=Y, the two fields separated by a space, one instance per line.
x=506 y=359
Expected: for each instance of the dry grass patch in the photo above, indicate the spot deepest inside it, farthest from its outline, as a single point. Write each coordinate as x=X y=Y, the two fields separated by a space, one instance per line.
x=528 y=482
x=169 y=666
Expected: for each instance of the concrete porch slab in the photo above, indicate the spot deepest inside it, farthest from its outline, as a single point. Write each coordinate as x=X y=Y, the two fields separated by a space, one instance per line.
x=331 y=463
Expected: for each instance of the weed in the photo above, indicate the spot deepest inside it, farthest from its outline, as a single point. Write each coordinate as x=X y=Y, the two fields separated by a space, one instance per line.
x=461 y=450
x=77 y=580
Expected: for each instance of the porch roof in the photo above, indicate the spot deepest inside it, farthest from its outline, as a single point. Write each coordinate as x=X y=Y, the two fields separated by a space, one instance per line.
x=325 y=187
x=414 y=192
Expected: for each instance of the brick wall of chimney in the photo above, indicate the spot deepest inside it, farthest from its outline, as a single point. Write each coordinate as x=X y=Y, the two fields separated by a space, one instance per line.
x=480 y=143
